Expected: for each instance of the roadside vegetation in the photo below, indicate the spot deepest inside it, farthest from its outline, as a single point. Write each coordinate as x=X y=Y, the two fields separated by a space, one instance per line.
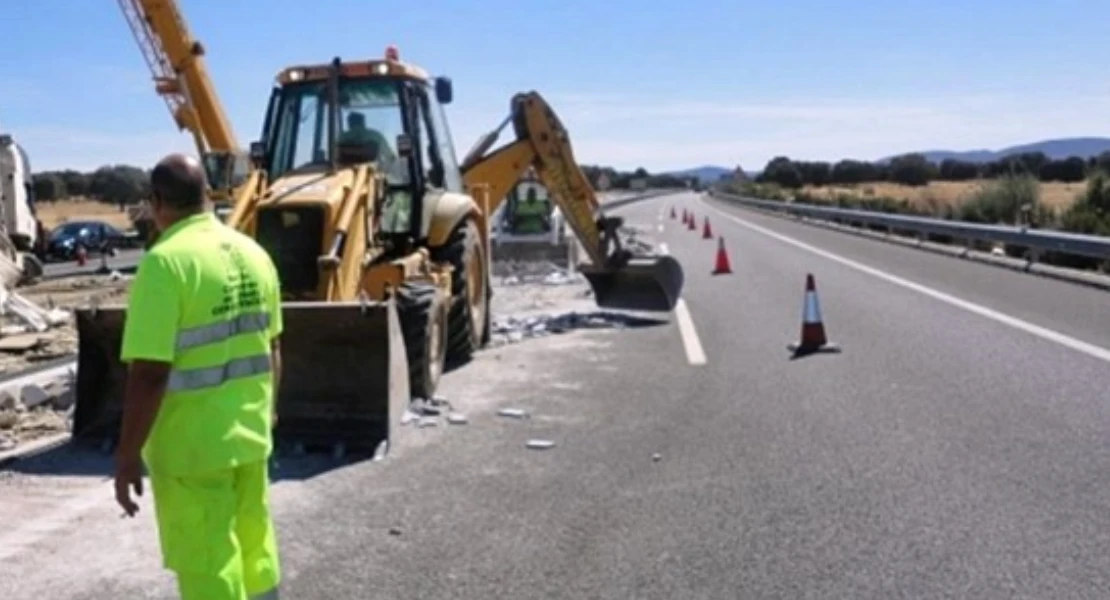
x=1028 y=189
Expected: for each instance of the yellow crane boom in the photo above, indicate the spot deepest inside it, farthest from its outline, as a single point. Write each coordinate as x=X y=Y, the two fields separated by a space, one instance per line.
x=176 y=61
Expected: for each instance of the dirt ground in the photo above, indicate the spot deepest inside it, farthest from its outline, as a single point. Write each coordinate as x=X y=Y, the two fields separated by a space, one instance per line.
x=939 y=193
x=60 y=211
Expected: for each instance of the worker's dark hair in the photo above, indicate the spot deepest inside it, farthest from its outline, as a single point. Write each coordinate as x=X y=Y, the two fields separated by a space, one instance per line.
x=179 y=182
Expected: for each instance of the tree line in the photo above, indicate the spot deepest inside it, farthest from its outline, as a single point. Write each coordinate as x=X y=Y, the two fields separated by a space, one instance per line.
x=116 y=184
x=126 y=184
x=916 y=170
x=621 y=180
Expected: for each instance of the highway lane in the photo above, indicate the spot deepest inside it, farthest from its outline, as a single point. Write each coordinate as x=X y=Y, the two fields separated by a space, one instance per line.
x=942 y=455
x=1075 y=310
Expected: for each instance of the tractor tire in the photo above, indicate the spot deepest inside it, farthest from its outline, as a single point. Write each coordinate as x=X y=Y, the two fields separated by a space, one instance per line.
x=424 y=329
x=468 y=321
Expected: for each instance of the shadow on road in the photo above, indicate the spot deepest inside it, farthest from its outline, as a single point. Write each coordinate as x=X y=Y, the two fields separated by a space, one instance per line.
x=81 y=460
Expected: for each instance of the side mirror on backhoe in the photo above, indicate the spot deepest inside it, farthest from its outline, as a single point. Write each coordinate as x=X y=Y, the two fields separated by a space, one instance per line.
x=258 y=153
x=444 y=91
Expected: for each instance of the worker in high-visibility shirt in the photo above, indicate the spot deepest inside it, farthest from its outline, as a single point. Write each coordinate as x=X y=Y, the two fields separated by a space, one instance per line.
x=201 y=339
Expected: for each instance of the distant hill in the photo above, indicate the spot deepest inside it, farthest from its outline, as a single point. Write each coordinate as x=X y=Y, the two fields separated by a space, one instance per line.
x=1054 y=149
x=705 y=174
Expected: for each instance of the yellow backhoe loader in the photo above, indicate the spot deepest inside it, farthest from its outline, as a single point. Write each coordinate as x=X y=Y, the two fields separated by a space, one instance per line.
x=381 y=241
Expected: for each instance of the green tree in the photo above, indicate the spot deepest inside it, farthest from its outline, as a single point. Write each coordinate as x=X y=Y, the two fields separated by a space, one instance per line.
x=783 y=171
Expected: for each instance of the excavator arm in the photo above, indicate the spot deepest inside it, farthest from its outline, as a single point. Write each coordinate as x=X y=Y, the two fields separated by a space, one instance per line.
x=619 y=278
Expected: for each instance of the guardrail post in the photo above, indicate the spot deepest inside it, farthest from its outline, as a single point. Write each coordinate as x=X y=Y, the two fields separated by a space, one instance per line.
x=1032 y=255
x=968 y=245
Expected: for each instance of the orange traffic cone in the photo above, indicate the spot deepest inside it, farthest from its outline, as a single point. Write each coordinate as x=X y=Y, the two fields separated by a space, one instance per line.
x=723 y=266
x=706 y=232
x=813 y=329
x=692 y=225
x=672 y=213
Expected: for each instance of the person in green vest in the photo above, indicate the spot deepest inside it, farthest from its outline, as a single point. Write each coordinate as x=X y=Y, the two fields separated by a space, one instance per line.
x=201 y=340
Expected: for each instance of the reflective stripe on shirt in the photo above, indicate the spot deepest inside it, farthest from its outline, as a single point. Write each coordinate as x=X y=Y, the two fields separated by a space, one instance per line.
x=217 y=332
x=206 y=377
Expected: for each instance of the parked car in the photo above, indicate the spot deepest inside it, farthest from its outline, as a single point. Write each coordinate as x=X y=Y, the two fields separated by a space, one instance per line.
x=97 y=237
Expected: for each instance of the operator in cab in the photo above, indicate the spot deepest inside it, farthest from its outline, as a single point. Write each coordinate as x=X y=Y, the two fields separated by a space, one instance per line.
x=358 y=134
x=201 y=341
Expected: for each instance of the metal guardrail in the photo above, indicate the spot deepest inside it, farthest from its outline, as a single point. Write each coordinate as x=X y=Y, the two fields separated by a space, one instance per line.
x=1039 y=240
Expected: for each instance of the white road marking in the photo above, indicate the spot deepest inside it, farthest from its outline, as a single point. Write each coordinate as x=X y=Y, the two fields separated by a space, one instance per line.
x=695 y=354
x=691 y=343
x=1067 y=341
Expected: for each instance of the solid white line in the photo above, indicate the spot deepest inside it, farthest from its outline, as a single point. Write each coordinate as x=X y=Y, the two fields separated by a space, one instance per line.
x=1089 y=349
x=695 y=354
x=691 y=343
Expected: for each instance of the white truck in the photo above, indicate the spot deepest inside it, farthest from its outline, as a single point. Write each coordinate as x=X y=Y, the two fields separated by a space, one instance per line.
x=23 y=236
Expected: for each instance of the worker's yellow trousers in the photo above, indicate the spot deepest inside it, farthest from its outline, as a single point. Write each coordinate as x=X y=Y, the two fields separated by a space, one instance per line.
x=216 y=532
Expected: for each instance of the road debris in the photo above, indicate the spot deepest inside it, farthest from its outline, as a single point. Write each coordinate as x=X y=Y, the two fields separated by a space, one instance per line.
x=513 y=413
x=656 y=457
x=514 y=329
x=540 y=444
x=457 y=419
x=632 y=240
x=37 y=411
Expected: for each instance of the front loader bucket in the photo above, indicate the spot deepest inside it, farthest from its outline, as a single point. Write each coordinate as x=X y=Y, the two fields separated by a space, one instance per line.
x=644 y=283
x=344 y=379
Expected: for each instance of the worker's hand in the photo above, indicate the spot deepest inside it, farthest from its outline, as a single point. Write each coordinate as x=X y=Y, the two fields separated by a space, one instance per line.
x=129 y=476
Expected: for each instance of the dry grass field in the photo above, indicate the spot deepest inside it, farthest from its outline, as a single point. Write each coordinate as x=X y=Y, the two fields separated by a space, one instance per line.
x=60 y=211
x=939 y=193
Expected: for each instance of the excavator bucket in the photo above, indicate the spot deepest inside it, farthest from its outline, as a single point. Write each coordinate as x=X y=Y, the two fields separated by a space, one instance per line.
x=344 y=384
x=647 y=283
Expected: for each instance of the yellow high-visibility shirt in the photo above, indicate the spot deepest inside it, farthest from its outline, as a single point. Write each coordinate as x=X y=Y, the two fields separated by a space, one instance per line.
x=206 y=298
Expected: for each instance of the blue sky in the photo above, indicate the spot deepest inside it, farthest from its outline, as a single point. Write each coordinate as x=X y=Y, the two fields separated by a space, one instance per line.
x=665 y=86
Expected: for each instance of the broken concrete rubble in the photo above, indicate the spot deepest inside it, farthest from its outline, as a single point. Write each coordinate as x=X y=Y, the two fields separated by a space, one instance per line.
x=510 y=330
x=37 y=411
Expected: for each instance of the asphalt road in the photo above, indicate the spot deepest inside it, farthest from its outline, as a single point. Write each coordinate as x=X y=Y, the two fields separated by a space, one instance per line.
x=955 y=449
x=124 y=259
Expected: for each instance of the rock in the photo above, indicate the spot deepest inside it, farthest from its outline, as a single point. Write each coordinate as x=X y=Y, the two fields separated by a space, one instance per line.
x=65 y=399
x=9 y=402
x=7 y=442
x=34 y=395
x=8 y=419
x=409 y=417
x=539 y=444
x=457 y=419
x=656 y=457
x=423 y=422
